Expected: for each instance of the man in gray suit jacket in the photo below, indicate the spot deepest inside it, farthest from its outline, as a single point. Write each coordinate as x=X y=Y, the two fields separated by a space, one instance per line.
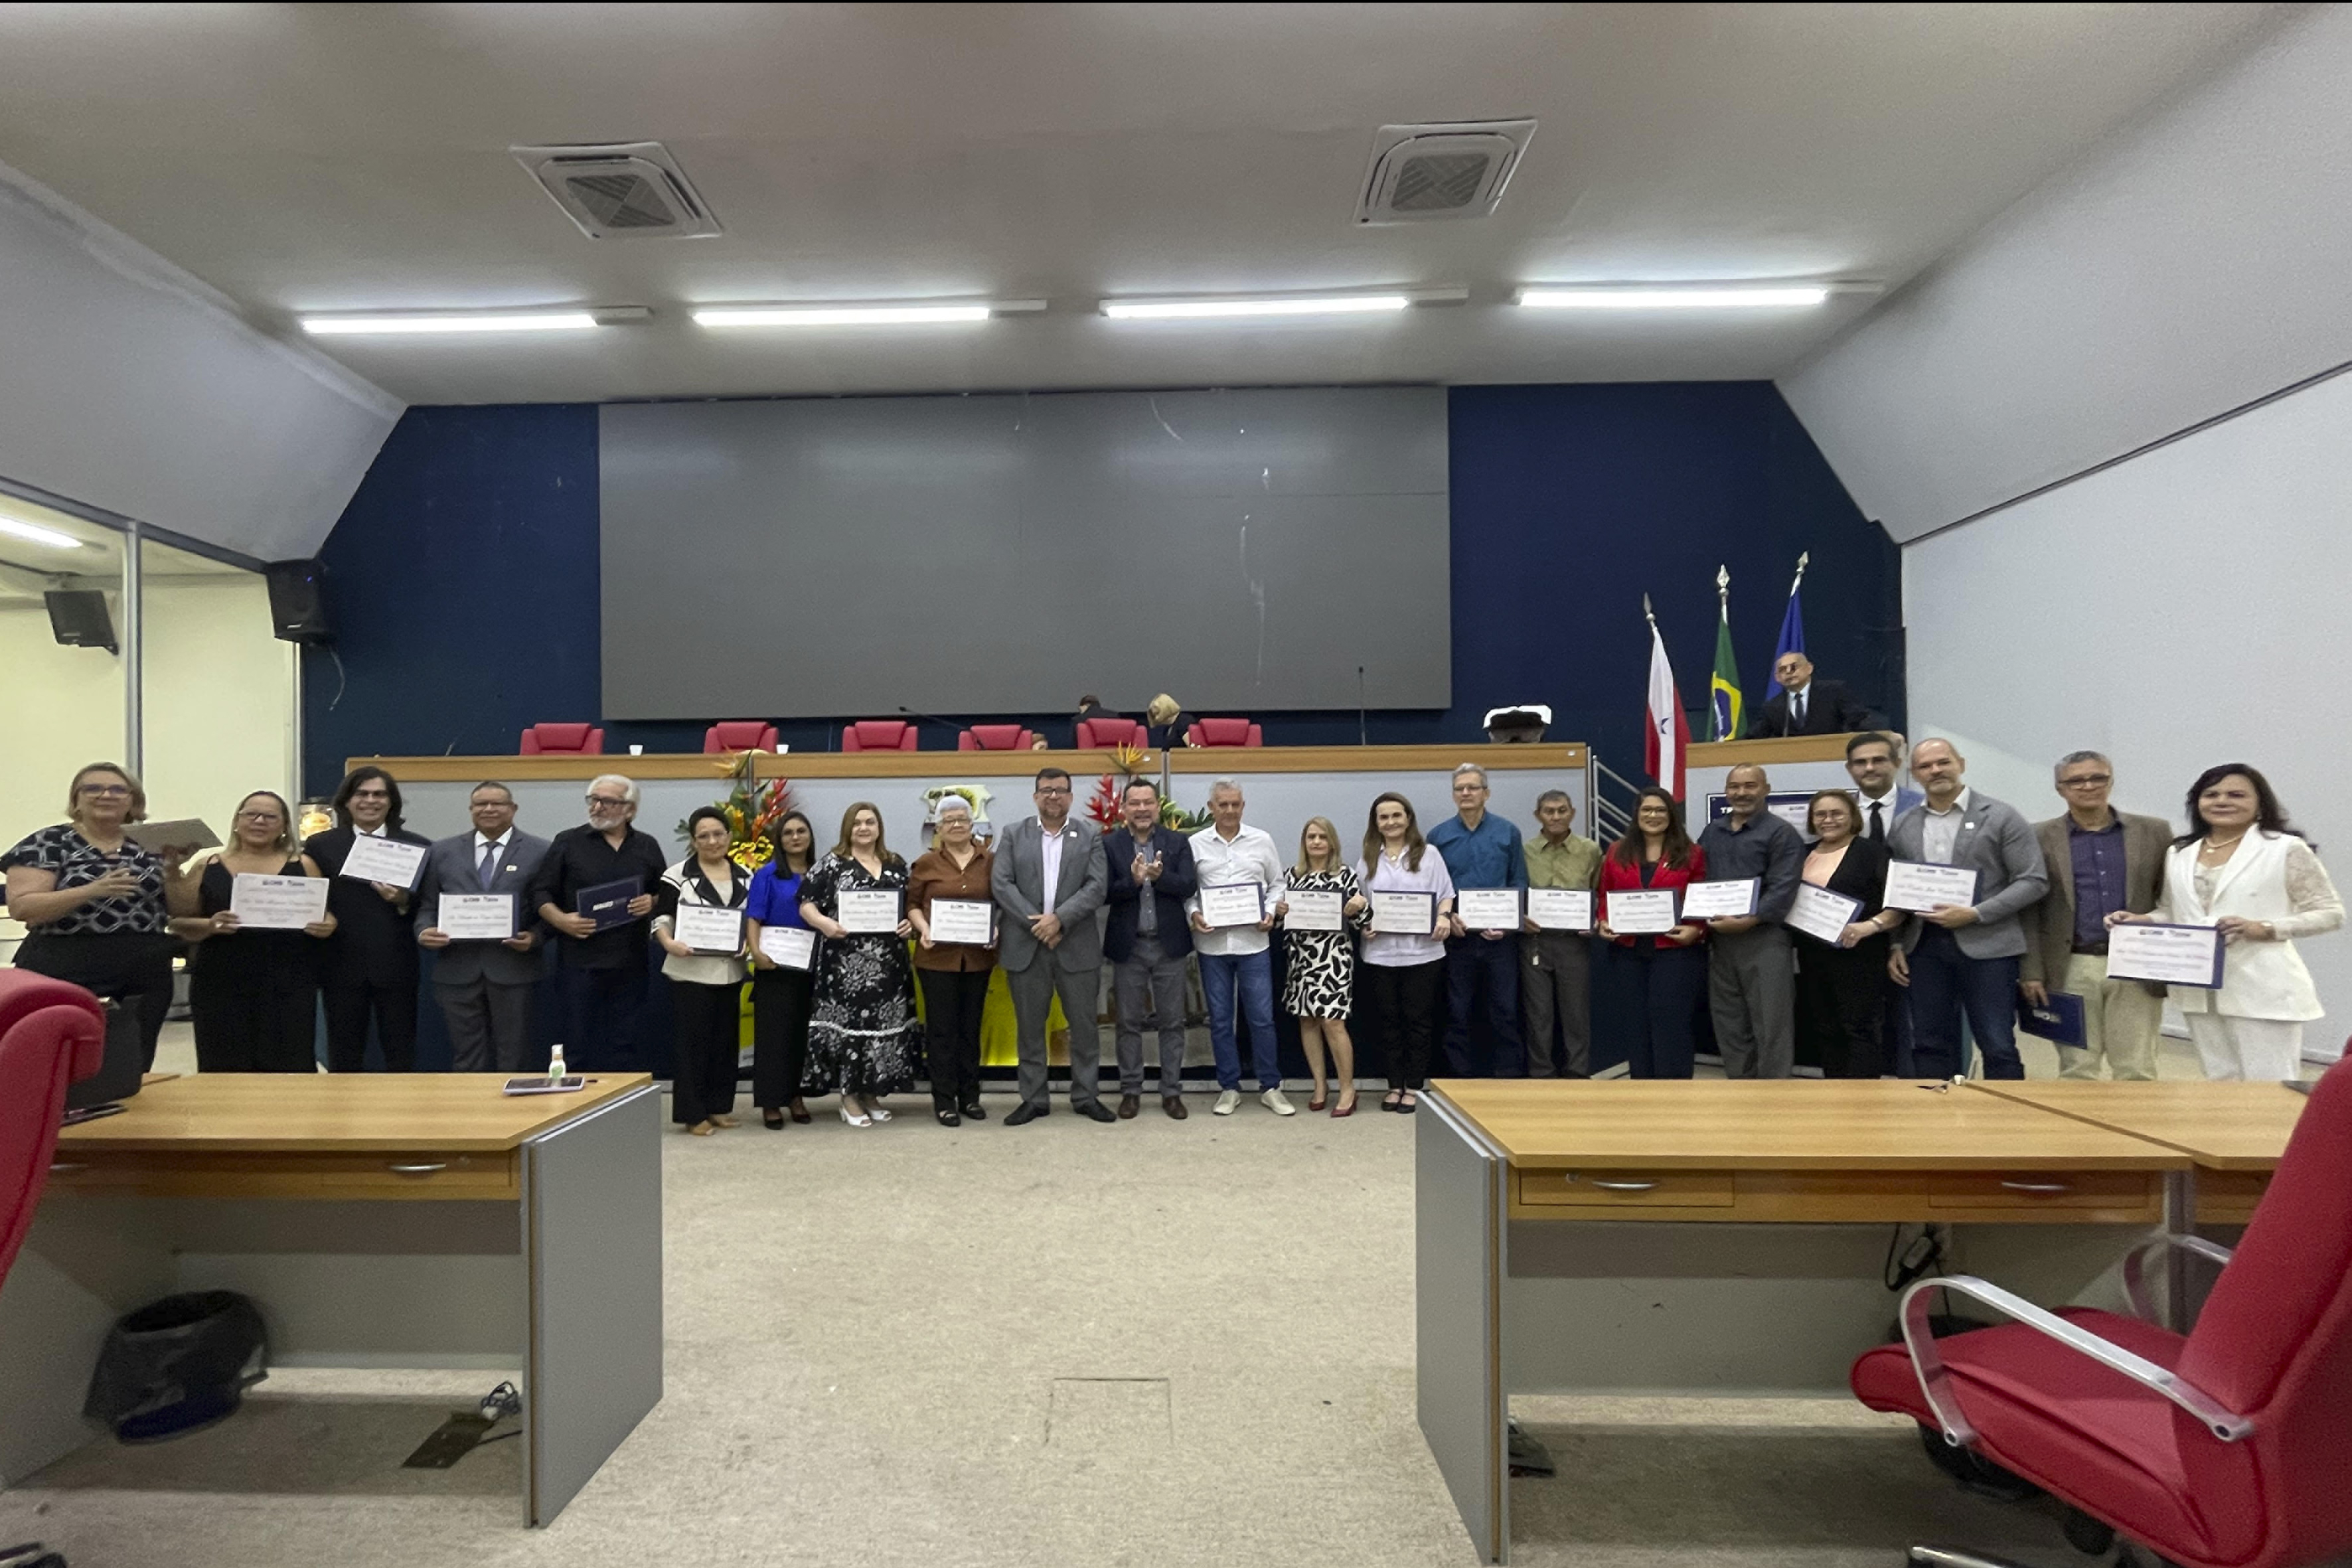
x=2101 y=860
x=1050 y=877
x=1965 y=958
x=484 y=986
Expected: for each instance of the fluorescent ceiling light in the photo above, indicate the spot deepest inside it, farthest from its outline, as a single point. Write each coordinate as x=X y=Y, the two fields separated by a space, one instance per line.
x=35 y=532
x=854 y=315
x=1704 y=297
x=1294 y=305
x=470 y=321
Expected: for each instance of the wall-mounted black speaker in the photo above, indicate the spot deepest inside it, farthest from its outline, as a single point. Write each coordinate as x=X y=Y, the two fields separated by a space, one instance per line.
x=78 y=618
x=298 y=602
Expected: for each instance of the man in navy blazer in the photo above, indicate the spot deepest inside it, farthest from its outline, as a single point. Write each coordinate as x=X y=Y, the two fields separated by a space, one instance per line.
x=1147 y=940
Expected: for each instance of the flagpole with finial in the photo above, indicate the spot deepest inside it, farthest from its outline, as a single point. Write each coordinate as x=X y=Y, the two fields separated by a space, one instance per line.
x=1804 y=558
x=1646 y=612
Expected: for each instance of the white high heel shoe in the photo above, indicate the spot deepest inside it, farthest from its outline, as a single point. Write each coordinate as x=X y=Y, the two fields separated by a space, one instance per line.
x=854 y=1119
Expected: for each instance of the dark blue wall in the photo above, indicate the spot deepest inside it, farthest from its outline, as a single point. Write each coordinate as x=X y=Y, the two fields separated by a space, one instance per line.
x=464 y=587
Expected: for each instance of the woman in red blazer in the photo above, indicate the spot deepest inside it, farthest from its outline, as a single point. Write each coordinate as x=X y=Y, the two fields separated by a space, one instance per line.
x=1649 y=987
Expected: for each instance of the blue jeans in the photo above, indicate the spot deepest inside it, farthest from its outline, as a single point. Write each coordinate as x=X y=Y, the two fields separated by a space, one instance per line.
x=1254 y=972
x=1472 y=962
x=1946 y=982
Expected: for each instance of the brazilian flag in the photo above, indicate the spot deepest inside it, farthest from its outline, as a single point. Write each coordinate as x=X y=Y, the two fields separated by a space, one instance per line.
x=1727 y=719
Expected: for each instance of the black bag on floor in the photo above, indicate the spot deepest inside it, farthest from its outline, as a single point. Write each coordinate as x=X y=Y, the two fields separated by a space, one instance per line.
x=177 y=1365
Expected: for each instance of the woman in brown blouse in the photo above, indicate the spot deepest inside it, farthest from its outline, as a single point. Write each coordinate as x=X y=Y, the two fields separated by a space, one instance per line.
x=953 y=975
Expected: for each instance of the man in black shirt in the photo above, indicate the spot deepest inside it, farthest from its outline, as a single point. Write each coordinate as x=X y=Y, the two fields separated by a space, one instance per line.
x=603 y=970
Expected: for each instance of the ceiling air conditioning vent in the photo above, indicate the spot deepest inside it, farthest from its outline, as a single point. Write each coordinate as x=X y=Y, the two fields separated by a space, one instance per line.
x=1420 y=173
x=633 y=190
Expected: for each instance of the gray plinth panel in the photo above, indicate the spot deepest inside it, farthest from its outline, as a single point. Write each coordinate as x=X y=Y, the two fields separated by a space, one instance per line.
x=1458 y=1266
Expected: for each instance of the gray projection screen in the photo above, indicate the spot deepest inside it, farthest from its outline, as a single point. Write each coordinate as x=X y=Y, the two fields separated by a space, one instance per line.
x=842 y=557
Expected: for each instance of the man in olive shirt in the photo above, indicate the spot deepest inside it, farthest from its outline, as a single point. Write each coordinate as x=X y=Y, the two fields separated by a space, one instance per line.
x=1558 y=979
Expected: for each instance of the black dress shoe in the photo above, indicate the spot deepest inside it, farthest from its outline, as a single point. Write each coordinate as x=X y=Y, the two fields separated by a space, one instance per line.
x=1024 y=1113
x=1173 y=1104
x=1095 y=1109
x=948 y=1117
x=1129 y=1104
x=972 y=1112
x=772 y=1119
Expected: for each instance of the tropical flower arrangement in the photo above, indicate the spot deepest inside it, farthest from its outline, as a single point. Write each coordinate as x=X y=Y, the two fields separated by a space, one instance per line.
x=1102 y=807
x=752 y=810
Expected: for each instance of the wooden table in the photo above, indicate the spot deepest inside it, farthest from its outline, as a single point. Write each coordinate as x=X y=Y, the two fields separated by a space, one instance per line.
x=1716 y=1236
x=377 y=1220
x=2232 y=1132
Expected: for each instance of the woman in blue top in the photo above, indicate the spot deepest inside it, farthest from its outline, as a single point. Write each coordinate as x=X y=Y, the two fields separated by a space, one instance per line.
x=780 y=995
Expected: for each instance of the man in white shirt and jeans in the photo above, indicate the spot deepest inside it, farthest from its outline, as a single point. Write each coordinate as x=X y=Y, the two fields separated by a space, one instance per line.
x=1237 y=957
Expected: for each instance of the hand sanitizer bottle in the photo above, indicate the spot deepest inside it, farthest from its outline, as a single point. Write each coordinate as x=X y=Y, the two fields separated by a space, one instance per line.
x=555 y=1061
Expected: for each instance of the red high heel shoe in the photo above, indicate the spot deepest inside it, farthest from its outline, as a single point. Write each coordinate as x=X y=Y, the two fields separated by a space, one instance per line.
x=1319 y=1101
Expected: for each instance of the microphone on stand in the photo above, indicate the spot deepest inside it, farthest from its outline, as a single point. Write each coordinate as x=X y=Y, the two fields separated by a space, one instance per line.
x=1363 y=729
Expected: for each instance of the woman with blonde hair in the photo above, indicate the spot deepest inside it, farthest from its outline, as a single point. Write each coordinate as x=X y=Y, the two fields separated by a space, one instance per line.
x=253 y=994
x=1319 y=966
x=862 y=1035
x=1166 y=725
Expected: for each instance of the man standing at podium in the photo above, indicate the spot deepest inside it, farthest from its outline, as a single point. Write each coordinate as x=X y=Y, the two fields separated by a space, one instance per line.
x=1804 y=706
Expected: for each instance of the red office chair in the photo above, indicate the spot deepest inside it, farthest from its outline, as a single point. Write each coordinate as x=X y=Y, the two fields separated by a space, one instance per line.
x=738 y=735
x=878 y=735
x=51 y=1034
x=563 y=740
x=1224 y=733
x=2226 y=1449
x=1112 y=733
x=996 y=737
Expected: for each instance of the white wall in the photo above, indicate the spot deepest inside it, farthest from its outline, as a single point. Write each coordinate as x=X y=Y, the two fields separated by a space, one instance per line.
x=128 y=385
x=218 y=702
x=2185 y=608
x=2194 y=262
x=59 y=708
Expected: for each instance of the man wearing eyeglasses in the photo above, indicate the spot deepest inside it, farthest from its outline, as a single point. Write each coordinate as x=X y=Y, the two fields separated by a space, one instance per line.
x=370 y=969
x=1051 y=875
x=2100 y=860
x=601 y=958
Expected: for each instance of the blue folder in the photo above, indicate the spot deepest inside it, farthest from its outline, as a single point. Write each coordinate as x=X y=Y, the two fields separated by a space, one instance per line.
x=2061 y=1022
x=608 y=903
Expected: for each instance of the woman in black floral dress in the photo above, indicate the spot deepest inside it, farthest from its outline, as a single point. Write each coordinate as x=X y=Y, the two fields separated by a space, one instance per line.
x=862 y=1036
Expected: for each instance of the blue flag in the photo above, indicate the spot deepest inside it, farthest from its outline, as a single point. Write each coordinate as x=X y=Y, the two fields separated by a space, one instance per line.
x=1792 y=634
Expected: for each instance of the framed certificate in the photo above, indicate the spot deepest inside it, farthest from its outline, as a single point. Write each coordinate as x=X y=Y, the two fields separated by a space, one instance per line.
x=1404 y=914
x=1822 y=914
x=1645 y=912
x=870 y=912
x=2177 y=955
x=607 y=903
x=385 y=860
x=1919 y=886
x=1728 y=901
x=709 y=930
x=477 y=917
x=276 y=903
x=971 y=921
x=1313 y=908
x=788 y=947
x=1232 y=903
x=1487 y=909
x=1560 y=909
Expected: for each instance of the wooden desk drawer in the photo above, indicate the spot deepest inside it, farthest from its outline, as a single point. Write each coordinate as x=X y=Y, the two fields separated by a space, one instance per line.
x=438 y=1176
x=2043 y=1189
x=2228 y=1198
x=1627 y=1189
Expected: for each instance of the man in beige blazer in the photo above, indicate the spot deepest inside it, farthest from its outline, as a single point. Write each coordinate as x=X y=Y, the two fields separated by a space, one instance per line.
x=2100 y=860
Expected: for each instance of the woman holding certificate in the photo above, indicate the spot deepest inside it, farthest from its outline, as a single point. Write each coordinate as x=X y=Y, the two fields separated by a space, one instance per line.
x=1320 y=957
x=1652 y=970
x=253 y=988
x=1840 y=928
x=783 y=965
x=1411 y=894
x=2242 y=869
x=863 y=1033
x=698 y=922
x=954 y=917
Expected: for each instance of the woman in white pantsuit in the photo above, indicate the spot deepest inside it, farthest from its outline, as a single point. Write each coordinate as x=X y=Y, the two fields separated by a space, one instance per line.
x=2242 y=868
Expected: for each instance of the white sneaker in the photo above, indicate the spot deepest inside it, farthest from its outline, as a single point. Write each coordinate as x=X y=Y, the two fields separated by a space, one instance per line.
x=1274 y=1099
x=1226 y=1101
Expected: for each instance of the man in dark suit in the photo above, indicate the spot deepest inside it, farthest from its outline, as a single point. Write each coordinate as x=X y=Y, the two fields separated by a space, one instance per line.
x=1147 y=939
x=1049 y=878
x=484 y=986
x=1804 y=706
x=370 y=968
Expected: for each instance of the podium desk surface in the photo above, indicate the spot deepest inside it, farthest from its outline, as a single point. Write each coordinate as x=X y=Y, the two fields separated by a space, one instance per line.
x=223 y=1113
x=2221 y=1126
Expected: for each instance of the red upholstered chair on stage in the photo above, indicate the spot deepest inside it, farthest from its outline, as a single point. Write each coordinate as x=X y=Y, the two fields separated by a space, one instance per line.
x=1112 y=733
x=1224 y=733
x=2228 y=1445
x=878 y=735
x=564 y=740
x=738 y=735
x=996 y=737
x=51 y=1033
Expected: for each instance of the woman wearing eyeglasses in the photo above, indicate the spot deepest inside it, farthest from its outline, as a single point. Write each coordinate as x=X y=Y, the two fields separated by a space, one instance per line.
x=253 y=994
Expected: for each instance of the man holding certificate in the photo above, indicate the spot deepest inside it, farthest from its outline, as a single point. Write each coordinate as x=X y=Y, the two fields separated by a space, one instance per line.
x=471 y=911
x=1481 y=853
x=1230 y=858
x=1147 y=938
x=1753 y=859
x=2101 y=860
x=1966 y=865
x=369 y=969
x=1557 y=944
x=611 y=868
